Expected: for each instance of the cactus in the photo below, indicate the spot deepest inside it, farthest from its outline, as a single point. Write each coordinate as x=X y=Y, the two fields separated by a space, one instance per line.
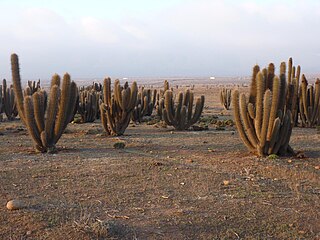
x=45 y=127
x=225 y=98
x=309 y=103
x=160 y=99
x=88 y=105
x=181 y=116
x=116 y=109
x=263 y=122
x=292 y=101
x=9 y=105
x=145 y=104
x=32 y=87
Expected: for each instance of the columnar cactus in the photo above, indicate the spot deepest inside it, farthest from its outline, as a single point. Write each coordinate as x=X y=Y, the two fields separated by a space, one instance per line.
x=160 y=98
x=293 y=90
x=309 y=103
x=263 y=122
x=225 y=98
x=181 y=116
x=116 y=109
x=145 y=104
x=45 y=127
x=9 y=104
x=32 y=87
x=88 y=105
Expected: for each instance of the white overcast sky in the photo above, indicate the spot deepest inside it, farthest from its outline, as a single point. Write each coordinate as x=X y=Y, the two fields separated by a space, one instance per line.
x=157 y=38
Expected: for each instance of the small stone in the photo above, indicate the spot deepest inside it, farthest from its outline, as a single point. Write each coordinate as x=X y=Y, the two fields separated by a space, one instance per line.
x=119 y=145
x=15 y=204
x=226 y=182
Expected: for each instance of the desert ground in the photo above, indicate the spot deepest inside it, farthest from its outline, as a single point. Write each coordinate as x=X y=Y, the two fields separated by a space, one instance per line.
x=164 y=184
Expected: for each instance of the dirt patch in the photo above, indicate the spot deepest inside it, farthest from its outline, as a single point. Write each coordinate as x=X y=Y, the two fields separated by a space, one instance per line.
x=163 y=184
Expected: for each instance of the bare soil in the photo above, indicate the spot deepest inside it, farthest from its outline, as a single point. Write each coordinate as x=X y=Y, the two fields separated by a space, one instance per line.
x=164 y=184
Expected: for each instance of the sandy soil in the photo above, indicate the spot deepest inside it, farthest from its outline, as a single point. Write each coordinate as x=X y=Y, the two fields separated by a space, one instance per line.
x=163 y=185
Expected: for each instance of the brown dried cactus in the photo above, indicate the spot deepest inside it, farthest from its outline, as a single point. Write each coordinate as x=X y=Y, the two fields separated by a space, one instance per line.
x=264 y=124
x=225 y=98
x=145 y=104
x=9 y=104
x=88 y=105
x=182 y=116
x=309 y=103
x=45 y=127
x=116 y=109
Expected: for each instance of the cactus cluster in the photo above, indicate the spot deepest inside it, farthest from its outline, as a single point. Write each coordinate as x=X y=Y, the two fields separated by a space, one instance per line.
x=88 y=105
x=309 y=103
x=263 y=120
x=116 y=108
x=8 y=101
x=45 y=127
x=160 y=99
x=181 y=115
x=225 y=98
x=293 y=75
x=145 y=104
x=32 y=87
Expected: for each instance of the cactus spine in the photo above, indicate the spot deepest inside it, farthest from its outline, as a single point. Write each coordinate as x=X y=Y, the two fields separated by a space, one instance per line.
x=263 y=124
x=225 y=98
x=181 y=116
x=116 y=109
x=44 y=128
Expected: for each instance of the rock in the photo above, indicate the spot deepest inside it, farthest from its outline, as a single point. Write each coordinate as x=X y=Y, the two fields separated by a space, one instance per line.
x=15 y=204
x=119 y=145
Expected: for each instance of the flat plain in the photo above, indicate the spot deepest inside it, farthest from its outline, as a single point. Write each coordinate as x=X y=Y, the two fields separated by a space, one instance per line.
x=164 y=184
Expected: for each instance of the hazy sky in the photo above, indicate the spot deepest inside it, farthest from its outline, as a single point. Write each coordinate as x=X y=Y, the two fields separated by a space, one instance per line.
x=144 y=38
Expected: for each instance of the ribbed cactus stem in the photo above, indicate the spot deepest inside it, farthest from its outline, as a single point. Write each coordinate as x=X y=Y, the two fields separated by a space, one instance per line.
x=274 y=105
x=250 y=132
x=62 y=112
x=266 y=118
x=38 y=111
x=52 y=113
x=253 y=88
x=237 y=118
x=16 y=79
x=259 y=103
x=289 y=70
x=32 y=128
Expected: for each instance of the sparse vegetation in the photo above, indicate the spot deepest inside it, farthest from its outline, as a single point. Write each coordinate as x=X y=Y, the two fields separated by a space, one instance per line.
x=155 y=183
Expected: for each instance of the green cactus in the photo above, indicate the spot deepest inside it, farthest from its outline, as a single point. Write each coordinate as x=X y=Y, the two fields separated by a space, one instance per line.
x=9 y=104
x=116 y=109
x=309 y=103
x=263 y=123
x=225 y=98
x=181 y=116
x=45 y=127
